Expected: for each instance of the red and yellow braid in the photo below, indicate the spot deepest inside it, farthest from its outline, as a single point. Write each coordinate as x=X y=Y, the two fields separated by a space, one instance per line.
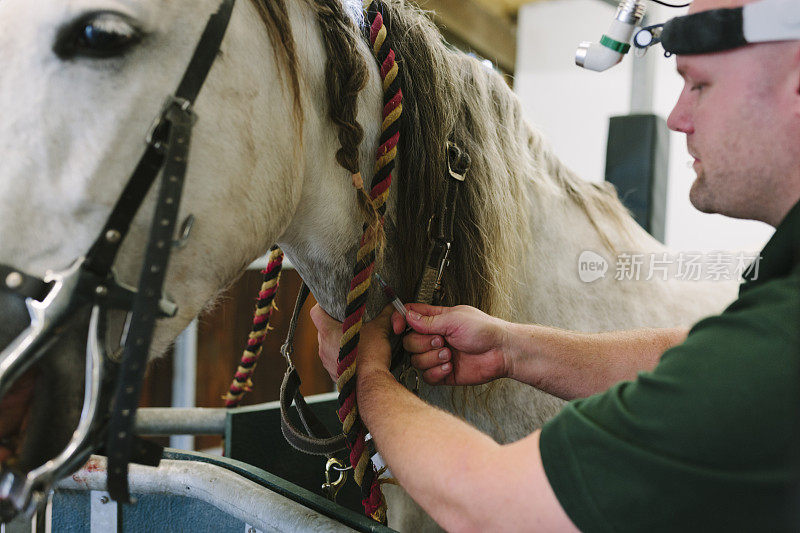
x=264 y=307
x=364 y=471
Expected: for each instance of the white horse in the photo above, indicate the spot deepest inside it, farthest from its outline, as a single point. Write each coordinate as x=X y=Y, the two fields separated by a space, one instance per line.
x=263 y=169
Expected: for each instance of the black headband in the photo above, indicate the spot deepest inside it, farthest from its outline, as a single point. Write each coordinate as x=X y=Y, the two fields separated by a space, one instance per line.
x=705 y=32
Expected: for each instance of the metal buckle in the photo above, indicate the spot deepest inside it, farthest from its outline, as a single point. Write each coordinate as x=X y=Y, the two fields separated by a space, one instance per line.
x=181 y=103
x=410 y=371
x=454 y=152
x=185 y=233
x=286 y=351
x=332 y=488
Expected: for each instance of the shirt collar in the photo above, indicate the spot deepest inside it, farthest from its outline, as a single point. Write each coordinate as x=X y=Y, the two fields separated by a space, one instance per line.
x=782 y=253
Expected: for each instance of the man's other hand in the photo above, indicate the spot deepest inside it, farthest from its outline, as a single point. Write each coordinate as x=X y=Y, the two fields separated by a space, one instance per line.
x=374 y=351
x=455 y=345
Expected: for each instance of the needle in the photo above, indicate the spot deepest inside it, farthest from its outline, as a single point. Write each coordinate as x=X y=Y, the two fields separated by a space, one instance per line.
x=387 y=290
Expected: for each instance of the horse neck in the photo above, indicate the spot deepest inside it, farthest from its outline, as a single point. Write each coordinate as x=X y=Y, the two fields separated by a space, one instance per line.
x=537 y=253
x=322 y=236
x=568 y=217
x=244 y=191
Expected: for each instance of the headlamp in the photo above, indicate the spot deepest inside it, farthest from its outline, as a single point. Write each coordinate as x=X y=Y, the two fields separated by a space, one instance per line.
x=718 y=30
x=615 y=43
x=705 y=32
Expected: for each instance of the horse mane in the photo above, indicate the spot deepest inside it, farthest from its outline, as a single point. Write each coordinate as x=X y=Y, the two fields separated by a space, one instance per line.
x=449 y=95
x=275 y=16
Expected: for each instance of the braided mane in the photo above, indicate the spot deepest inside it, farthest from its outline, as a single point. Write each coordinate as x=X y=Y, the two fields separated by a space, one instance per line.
x=447 y=94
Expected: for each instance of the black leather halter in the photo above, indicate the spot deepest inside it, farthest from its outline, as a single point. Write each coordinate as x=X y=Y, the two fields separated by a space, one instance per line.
x=90 y=282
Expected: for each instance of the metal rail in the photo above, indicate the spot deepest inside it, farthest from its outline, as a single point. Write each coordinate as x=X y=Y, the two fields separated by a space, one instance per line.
x=167 y=421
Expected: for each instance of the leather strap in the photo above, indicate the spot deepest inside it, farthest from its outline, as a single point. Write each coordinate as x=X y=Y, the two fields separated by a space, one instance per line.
x=174 y=128
x=441 y=234
x=15 y=282
x=316 y=440
x=287 y=349
x=458 y=162
x=103 y=252
x=146 y=304
x=429 y=287
x=205 y=52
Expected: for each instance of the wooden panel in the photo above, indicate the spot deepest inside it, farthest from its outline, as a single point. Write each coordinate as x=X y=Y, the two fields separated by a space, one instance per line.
x=221 y=338
x=470 y=23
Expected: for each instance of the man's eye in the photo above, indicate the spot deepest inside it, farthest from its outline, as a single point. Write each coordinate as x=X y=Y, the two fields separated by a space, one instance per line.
x=699 y=86
x=104 y=34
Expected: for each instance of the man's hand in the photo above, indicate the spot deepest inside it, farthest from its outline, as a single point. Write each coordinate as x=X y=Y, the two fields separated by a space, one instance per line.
x=329 y=332
x=455 y=346
x=374 y=351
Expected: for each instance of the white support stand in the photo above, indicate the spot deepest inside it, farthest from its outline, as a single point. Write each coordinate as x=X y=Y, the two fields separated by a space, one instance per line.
x=184 y=378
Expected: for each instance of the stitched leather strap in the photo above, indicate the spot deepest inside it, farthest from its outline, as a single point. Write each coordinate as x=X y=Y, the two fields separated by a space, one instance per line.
x=146 y=304
x=429 y=287
x=104 y=250
x=173 y=133
x=316 y=440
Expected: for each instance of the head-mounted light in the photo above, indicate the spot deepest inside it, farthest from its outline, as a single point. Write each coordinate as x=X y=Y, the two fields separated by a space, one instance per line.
x=706 y=32
x=718 y=30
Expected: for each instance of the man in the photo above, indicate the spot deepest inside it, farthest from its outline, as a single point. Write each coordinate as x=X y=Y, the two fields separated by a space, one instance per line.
x=708 y=436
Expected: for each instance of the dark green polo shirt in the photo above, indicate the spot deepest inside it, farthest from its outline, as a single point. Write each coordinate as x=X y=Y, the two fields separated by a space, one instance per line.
x=710 y=439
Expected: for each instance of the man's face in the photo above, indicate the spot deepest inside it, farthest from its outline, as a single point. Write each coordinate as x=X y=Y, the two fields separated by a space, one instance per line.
x=737 y=109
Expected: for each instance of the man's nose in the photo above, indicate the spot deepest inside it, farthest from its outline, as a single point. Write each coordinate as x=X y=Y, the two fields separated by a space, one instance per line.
x=680 y=119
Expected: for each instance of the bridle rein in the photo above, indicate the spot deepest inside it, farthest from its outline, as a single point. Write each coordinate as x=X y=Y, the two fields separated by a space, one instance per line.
x=91 y=283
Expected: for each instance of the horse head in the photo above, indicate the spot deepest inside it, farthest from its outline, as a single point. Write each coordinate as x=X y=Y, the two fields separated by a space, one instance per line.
x=287 y=115
x=83 y=82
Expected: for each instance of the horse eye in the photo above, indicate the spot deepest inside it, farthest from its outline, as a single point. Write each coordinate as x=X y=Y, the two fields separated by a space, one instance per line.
x=99 y=35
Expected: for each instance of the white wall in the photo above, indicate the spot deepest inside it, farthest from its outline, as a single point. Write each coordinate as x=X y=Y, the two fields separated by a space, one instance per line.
x=571 y=106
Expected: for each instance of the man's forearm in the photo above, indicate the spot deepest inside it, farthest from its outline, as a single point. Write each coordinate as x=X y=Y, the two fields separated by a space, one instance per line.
x=460 y=476
x=572 y=365
x=417 y=440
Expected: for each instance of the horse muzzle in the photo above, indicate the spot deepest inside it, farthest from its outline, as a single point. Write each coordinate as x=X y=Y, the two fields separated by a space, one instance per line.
x=24 y=492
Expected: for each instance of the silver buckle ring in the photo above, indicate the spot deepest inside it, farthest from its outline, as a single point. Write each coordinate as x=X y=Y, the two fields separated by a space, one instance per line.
x=172 y=100
x=460 y=176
